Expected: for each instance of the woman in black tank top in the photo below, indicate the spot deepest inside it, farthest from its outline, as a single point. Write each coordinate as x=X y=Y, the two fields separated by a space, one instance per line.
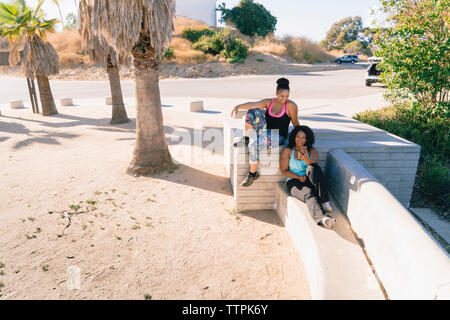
x=267 y=120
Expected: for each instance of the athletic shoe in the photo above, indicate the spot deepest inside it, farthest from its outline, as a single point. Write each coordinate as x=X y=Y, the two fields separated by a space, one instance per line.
x=328 y=222
x=327 y=207
x=249 y=180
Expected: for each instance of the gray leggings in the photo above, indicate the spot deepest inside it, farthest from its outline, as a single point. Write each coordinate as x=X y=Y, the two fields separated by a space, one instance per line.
x=313 y=191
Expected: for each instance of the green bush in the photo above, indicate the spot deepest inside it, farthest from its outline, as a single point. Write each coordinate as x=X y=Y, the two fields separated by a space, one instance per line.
x=224 y=44
x=168 y=54
x=210 y=44
x=429 y=128
x=234 y=50
x=194 y=35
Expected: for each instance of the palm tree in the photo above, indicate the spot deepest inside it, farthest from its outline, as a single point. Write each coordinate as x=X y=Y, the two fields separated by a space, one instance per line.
x=39 y=58
x=100 y=52
x=142 y=29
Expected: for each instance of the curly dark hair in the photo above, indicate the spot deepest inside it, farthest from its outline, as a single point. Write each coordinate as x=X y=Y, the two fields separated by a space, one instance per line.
x=310 y=139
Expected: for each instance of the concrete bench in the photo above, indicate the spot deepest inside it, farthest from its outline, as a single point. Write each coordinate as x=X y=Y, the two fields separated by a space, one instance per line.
x=391 y=159
x=409 y=263
x=335 y=265
x=373 y=232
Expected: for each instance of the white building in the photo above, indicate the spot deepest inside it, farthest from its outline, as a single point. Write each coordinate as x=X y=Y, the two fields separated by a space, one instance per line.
x=203 y=10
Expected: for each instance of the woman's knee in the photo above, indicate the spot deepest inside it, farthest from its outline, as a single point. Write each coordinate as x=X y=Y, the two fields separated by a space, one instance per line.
x=313 y=170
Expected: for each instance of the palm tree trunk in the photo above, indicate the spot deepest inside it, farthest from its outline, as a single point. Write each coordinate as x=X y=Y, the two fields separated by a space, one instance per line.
x=119 y=114
x=45 y=93
x=151 y=153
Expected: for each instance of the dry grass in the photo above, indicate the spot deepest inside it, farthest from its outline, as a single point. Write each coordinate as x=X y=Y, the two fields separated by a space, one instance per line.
x=181 y=23
x=68 y=46
x=270 y=45
x=184 y=54
x=306 y=51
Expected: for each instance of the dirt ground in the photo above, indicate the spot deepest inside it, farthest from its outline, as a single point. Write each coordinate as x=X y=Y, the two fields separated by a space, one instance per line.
x=170 y=236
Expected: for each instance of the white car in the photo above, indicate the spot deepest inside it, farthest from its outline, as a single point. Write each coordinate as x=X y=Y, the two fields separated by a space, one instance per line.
x=372 y=73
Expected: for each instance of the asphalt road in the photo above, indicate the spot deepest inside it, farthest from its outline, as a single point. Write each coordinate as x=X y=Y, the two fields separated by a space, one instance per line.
x=338 y=91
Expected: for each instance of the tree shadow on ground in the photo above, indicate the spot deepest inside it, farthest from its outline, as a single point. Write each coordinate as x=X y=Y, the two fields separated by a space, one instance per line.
x=195 y=178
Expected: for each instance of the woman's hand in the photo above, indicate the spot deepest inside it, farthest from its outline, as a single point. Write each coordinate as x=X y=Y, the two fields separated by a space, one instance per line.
x=303 y=154
x=302 y=178
x=234 y=111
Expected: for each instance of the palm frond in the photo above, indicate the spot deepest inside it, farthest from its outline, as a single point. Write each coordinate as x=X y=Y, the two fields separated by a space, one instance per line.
x=120 y=23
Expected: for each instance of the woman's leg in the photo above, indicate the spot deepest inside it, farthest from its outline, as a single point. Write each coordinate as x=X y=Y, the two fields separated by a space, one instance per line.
x=255 y=126
x=305 y=193
x=317 y=179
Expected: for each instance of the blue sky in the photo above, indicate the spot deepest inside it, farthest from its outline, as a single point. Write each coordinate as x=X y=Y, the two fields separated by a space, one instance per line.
x=310 y=19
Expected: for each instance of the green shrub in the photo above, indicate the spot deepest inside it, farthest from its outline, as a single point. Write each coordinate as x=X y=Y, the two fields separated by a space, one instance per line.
x=194 y=35
x=429 y=128
x=225 y=44
x=210 y=44
x=168 y=54
x=234 y=50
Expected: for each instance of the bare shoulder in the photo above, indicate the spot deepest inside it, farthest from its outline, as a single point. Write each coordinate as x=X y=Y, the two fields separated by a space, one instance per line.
x=292 y=105
x=285 y=152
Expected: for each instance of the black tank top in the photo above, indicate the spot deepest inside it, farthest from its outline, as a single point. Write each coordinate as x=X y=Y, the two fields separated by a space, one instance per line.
x=280 y=122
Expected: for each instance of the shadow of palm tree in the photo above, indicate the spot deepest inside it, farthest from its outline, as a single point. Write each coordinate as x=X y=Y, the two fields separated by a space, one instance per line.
x=199 y=179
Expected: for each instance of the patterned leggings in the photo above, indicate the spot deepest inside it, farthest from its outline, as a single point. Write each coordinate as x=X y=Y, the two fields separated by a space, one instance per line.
x=260 y=137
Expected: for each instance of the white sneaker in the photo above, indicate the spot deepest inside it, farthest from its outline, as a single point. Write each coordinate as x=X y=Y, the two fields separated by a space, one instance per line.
x=327 y=207
x=328 y=222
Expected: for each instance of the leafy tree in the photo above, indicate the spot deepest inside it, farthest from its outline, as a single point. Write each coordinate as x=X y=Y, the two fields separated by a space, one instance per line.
x=342 y=33
x=250 y=18
x=416 y=50
x=354 y=47
x=18 y=24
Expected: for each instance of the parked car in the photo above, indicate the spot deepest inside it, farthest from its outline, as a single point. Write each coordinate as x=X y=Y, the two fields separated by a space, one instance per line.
x=372 y=73
x=351 y=58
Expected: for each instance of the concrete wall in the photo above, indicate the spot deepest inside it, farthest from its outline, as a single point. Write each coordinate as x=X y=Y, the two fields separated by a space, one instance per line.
x=407 y=260
x=203 y=10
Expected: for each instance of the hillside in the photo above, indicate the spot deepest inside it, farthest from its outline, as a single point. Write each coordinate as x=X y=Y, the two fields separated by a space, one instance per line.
x=266 y=56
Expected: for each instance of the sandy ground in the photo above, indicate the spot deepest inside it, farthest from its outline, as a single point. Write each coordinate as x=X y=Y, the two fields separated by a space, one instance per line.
x=257 y=63
x=171 y=236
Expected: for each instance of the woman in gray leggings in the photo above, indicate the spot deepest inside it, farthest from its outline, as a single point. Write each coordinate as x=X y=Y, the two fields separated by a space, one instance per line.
x=306 y=182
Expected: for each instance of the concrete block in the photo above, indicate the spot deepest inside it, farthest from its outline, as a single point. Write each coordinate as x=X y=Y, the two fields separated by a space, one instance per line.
x=387 y=171
x=385 y=156
x=66 y=102
x=254 y=206
x=17 y=104
x=196 y=106
x=108 y=101
x=389 y=163
x=256 y=200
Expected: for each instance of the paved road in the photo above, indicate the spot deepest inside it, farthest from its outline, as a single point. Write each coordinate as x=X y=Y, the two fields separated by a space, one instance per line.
x=340 y=91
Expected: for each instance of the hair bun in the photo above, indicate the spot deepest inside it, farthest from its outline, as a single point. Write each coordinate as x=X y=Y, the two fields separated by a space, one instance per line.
x=283 y=82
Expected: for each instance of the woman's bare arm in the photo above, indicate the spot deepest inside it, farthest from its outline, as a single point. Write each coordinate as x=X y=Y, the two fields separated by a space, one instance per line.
x=261 y=104
x=293 y=113
x=284 y=165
